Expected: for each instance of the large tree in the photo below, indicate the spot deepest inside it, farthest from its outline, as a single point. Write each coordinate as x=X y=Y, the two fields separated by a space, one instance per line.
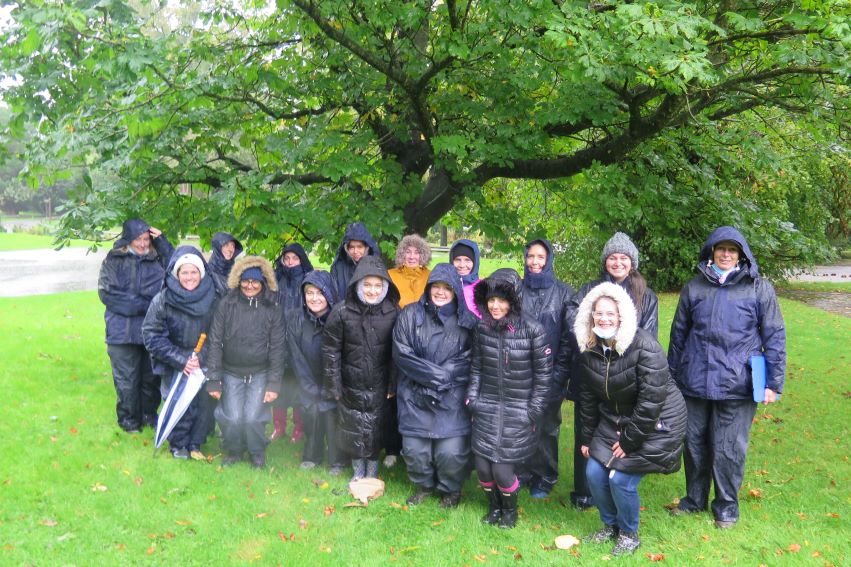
x=288 y=121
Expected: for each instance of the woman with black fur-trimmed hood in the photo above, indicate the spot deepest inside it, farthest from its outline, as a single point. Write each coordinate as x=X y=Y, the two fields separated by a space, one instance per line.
x=511 y=370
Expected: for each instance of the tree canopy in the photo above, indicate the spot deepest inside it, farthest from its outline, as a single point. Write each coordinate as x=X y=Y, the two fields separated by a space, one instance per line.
x=287 y=121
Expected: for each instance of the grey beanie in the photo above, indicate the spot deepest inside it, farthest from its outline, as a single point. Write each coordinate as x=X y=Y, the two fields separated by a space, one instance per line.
x=620 y=243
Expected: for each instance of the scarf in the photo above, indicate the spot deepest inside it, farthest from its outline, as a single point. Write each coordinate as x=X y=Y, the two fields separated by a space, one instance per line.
x=194 y=303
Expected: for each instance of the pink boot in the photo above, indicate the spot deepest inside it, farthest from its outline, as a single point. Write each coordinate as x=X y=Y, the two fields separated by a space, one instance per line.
x=279 y=419
x=298 y=427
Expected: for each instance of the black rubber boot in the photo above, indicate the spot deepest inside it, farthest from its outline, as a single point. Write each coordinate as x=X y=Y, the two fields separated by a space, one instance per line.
x=494 y=507
x=509 y=509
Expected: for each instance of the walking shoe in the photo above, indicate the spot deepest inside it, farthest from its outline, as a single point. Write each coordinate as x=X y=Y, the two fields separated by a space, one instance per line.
x=450 y=500
x=149 y=420
x=180 y=453
x=539 y=493
x=677 y=511
x=358 y=468
x=494 y=507
x=335 y=470
x=258 y=461
x=372 y=468
x=604 y=535
x=417 y=497
x=626 y=544
x=581 y=502
x=389 y=461
x=231 y=459
x=306 y=465
x=724 y=524
x=509 y=509
x=197 y=455
x=132 y=429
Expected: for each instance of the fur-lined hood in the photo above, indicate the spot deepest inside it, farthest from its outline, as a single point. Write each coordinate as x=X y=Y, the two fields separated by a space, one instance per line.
x=415 y=241
x=626 y=310
x=504 y=282
x=244 y=262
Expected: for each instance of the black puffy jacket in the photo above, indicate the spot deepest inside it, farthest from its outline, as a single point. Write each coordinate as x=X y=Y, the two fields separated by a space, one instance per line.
x=176 y=318
x=510 y=373
x=431 y=349
x=127 y=283
x=357 y=352
x=548 y=301
x=304 y=343
x=627 y=394
x=246 y=336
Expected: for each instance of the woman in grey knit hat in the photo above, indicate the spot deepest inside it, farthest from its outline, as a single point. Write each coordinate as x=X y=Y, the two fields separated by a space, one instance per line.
x=619 y=261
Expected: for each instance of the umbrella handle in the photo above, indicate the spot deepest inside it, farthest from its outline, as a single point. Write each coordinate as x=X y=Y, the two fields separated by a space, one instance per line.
x=200 y=344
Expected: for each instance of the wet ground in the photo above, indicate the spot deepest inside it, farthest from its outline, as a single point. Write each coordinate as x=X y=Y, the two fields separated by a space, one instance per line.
x=832 y=302
x=37 y=272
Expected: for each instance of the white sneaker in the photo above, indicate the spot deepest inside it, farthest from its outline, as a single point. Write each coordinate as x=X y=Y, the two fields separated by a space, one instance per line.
x=389 y=461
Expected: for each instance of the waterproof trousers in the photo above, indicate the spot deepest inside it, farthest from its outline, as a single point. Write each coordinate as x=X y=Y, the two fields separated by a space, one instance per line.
x=715 y=448
x=441 y=464
x=136 y=386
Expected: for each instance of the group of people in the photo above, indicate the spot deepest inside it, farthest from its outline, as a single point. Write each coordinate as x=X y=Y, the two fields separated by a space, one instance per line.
x=453 y=372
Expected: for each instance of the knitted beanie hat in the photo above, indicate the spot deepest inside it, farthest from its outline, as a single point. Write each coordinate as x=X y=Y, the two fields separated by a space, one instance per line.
x=620 y=243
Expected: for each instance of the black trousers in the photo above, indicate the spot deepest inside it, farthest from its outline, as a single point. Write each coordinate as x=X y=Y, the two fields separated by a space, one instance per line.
x=136 y=386
x=715 y=449
x=320 y=436
x=541 y=470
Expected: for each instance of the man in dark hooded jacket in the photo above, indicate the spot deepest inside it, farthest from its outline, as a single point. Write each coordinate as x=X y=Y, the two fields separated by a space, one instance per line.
x=226 y=249
x=357 y=243
x=431 y=349
x=357 y=351
x=130 y=276
x=726 y=315
x=547 y=300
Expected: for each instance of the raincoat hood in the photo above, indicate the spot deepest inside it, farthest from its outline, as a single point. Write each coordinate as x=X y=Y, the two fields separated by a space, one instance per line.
x=298 y=250
x=217 y=261
x=245 y=262
x=546 y=278
x=322 y=280
x=371 y=266
x=474 y=273
x=130 y=230
x=356 y=231
x=504 y=282
x=722 y=233
x=446 y=273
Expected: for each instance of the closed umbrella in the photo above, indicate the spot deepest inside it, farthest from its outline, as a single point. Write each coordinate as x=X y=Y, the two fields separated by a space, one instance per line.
x=183 y=390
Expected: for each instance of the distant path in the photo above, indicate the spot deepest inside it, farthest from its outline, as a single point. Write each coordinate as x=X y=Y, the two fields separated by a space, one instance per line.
x=838 y=273
x=37 y=272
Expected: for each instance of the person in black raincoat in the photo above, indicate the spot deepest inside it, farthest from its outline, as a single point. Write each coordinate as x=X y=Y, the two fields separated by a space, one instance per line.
x=620 y=261
x=357 y=244
x=246 y=358
x=175 y=320
x=726 y=314
x=130 y=276
x=305 y=329
x=633 y=415
x=357 y=351
x=291 y=266
x=226 y=249
x=431 y=349
x=510 y=373
x=547 y=300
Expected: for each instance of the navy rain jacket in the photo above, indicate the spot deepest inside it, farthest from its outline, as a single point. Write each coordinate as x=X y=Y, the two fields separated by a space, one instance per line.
x=717 y=327
x=219 y=267
x=343 y=266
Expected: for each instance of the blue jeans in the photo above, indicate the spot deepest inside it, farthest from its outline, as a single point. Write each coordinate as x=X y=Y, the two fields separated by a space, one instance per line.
x=615 y=494
x=242 y=415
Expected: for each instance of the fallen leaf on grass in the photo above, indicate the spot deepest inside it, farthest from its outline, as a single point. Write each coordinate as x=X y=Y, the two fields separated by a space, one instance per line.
x=481 y=558
x=832 y=515
x=121 y=547
x=755 y=493
x=283 y=537
x=151 y=550
x=324 y=548
x=816 y=553
x=303 y=524
x=566 y=541
x=138 y=481
x=328 y=510
x=98 y=487
x=183 y=522
x=73 y=430
x=49 y=522
x=436 y=523
x=655 y=556
x=794 y=548
x=518 y=556
x=802 y=516
x=705 y=537
x=261 y=515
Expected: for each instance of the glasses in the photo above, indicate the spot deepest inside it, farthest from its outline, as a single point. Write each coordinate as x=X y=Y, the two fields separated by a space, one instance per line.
x=251 y=283
x=610 y=315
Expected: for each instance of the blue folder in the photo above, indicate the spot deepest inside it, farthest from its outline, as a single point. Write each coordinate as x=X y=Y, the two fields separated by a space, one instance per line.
x=758 y=372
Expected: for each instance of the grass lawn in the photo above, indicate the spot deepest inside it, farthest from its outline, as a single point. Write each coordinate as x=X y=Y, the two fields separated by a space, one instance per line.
x=75 y=490
x=837 y=287
x=24 y=241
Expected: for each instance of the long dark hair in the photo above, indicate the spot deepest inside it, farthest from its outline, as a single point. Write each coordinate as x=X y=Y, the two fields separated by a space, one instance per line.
x=637 y=289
